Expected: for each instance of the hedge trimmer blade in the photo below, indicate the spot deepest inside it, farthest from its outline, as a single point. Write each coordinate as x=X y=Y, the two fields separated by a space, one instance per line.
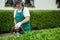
x=22 y=29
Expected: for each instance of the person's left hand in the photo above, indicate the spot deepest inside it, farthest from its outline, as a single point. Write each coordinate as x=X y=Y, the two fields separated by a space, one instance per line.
x=18 y=25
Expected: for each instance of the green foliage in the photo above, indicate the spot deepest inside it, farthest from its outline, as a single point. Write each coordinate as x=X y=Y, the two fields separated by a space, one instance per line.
x=40 y=19
x=46 y=34
x=6 y=20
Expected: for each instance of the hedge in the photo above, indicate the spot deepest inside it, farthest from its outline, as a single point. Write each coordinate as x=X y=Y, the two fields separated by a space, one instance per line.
x=49 y=34
x=6 y=21
x=40 y=19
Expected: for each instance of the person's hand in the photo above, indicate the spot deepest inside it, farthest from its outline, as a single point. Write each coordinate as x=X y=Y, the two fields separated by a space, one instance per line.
x=18 y=25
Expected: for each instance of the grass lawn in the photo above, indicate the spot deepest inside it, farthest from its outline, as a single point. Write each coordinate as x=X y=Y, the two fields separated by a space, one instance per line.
x=44 y=34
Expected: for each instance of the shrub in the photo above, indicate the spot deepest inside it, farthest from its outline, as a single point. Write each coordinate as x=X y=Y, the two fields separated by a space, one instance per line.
x=49 y=34
x=6 y=21
x=40 y=19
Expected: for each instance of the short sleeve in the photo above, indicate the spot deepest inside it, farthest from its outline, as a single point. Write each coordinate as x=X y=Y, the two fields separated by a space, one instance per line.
x=26 y=12
x=14 y=13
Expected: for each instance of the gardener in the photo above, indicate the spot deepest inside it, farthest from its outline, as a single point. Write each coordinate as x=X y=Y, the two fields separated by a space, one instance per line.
x=21 y=17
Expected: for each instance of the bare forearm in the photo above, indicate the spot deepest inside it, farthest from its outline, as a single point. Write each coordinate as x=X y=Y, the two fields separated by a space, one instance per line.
x=25 y=20
x=14 y=21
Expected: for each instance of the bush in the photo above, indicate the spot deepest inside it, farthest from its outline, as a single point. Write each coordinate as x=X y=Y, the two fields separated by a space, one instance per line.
x=49 y=34
x=40 y=19
x=6 y=21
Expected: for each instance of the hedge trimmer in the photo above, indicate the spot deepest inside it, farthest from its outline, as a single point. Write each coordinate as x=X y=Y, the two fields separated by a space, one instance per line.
x=13 y=31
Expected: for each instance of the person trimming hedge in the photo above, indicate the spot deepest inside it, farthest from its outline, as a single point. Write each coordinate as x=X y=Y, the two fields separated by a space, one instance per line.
x=21 y=18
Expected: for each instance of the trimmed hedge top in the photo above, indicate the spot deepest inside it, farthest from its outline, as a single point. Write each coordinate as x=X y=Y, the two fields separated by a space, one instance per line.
x=40 y=19
x=49 y=34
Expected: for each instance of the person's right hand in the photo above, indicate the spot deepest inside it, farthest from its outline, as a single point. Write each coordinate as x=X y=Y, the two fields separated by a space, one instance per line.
x=16 y=26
